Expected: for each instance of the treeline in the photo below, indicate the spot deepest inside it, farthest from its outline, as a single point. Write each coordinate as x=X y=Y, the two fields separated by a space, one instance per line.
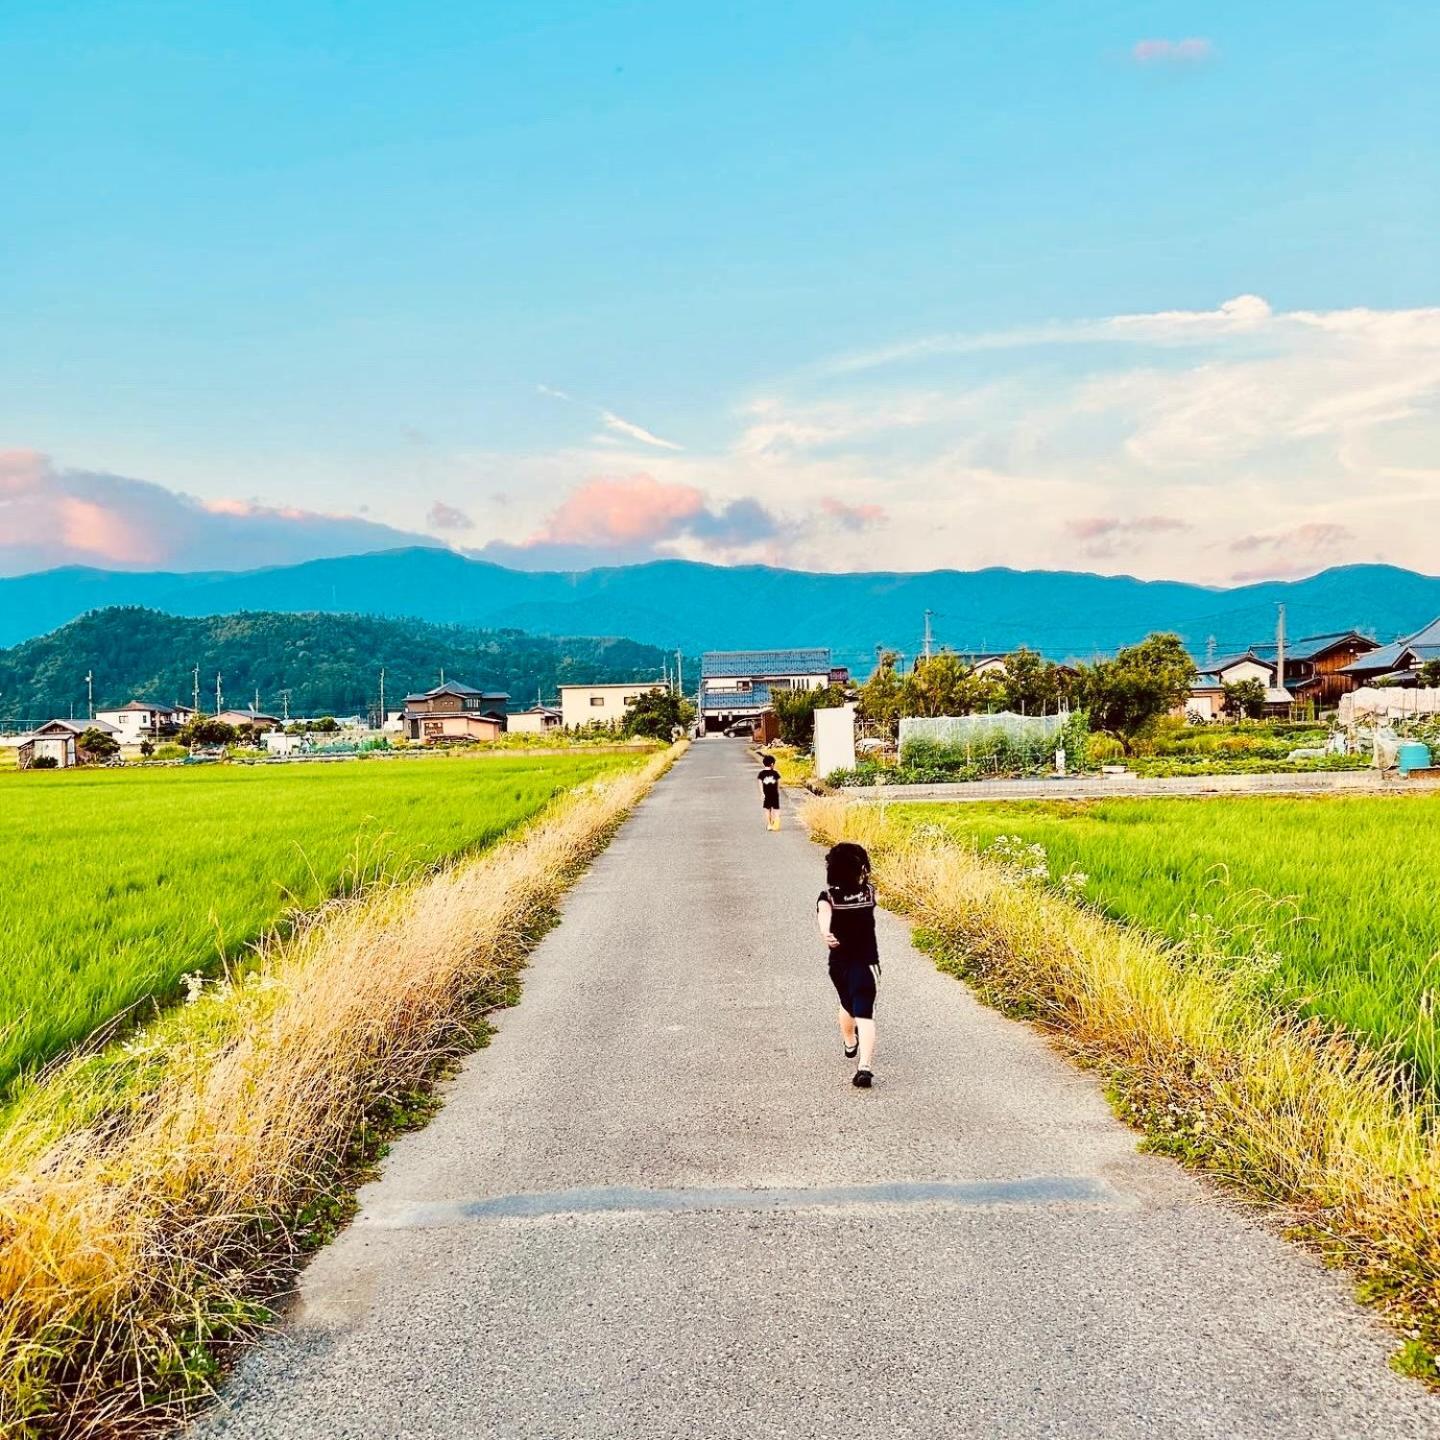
x=328 y=664
x=1123 y=695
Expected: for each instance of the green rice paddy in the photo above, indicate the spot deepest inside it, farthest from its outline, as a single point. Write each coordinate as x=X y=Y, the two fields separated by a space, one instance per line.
x=1334 y=901
x=119 y=882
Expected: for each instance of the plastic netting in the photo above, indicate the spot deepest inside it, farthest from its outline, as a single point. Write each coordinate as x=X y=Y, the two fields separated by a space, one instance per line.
x=981 y=730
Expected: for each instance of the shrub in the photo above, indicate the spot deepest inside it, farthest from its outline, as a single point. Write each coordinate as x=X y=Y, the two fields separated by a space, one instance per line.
x=45 y=762
x=1103 y=748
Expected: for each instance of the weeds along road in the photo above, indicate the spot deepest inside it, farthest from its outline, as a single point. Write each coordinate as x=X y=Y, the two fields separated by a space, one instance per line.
x=655 y=1206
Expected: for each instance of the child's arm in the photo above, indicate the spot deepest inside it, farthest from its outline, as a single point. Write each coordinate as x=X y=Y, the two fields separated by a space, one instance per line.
x=823 y=912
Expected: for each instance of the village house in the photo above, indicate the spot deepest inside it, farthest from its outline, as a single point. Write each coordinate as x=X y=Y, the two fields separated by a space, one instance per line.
x=582 y=705
x=534 y=721
x=452 y=713
x=257 y=720
x=739 y=685
x=1316 y=669
x=1397 y=663
x=144 y=720
x=58 y=740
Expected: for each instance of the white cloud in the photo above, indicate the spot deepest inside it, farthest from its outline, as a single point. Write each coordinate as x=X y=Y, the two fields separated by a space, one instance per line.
x=632 y=431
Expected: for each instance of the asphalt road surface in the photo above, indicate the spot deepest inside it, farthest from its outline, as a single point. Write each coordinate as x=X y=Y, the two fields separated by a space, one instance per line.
x=655 y=1206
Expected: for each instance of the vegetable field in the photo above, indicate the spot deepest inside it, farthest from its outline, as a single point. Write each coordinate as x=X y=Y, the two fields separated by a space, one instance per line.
x=120 y=882
x=1331 y=902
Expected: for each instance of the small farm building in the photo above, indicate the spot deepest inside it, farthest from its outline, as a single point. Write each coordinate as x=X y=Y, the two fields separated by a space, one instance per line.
x=58 y=740
x=534 y=721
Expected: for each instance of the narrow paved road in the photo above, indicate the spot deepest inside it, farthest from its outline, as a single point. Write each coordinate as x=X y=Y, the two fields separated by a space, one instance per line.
x=656 y=1207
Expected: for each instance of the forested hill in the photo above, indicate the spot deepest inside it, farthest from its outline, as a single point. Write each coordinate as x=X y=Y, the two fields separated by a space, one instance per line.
x=330 y=664
x=1067 y=615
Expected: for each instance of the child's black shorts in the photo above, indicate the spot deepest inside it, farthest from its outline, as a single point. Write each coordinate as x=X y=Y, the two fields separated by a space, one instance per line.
x=854 y=982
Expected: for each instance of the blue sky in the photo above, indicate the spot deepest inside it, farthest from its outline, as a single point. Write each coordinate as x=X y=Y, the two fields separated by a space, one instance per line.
x=1131 y=287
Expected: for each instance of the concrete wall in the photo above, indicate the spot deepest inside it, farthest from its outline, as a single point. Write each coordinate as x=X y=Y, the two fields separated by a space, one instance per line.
x=834 y=740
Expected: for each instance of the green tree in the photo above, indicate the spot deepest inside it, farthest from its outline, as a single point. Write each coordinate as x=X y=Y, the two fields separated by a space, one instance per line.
x=1032 y=684
x=1245 y=699
x=882 y=696
x=795 y=712
x=658 y=713
x=946 y=685
x=1430 y=674
x=1127 y=694
x=97 y=745
x=205 y=730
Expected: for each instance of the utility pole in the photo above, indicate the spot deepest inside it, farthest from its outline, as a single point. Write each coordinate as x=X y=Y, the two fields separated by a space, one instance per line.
x=1209 y=651
x=382 y=697
x=90 y=692
x=679 y=674
x=255 y=704
x=195 y=691
x=929 y=635
x=285 y=705
x=219 y=698
x=1280 y=647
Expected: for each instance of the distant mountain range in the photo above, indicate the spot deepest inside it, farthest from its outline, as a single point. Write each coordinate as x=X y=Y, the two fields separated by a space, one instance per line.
x=317 y=664
x=679 y=604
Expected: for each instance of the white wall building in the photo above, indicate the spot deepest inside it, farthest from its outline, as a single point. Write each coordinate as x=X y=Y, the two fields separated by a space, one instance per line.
x=582 y=705
x=142 y=720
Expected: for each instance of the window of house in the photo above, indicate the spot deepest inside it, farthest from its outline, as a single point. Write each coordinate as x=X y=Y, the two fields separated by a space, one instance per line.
x=630 y=699
x=597 y=700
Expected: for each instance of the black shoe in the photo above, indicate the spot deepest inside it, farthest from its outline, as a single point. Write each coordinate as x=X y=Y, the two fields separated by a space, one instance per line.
x=863 y=1079
x=850 y=1051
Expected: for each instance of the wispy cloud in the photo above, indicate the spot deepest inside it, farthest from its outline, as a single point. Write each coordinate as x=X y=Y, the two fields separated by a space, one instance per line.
x=621 y=426
x=1191 y=51
x=613 y=423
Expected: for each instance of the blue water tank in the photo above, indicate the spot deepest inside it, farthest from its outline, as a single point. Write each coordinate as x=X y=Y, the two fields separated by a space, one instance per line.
x=1413 y=756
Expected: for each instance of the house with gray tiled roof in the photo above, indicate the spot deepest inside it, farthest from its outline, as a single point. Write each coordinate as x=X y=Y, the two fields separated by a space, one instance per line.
x=739 y=685
x=1400 y=660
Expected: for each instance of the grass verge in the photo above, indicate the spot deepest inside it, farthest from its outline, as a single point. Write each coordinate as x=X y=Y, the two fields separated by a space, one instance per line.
x=154 y=1195
x=1290 y=1110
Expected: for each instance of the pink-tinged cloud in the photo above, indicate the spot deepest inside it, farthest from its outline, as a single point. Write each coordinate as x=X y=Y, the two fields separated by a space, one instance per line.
x=614 y=520
x=1307 y=539
x=1093 y=527
x=1191 y=51
x=51 y=517
x=621 y=511
x=853 y=517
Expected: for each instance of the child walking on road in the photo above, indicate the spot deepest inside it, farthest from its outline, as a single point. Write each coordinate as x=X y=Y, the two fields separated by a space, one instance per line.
x=770 y=792
x=845 y=913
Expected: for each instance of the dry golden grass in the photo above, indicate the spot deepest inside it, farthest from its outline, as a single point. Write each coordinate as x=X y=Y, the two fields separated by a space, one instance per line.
x=152 y=1195
x=1293 y=1112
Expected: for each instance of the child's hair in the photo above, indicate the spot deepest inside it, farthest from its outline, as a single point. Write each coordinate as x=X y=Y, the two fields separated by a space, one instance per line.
x=768 y=759
x=847 y=866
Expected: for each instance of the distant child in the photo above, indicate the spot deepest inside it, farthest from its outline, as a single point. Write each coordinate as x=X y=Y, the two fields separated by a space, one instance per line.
x=769 y=778
x=845 y=913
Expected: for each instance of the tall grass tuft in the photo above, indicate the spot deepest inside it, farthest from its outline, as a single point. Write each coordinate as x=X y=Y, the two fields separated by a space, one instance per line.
x=1293 y=1111
x=154 y=1194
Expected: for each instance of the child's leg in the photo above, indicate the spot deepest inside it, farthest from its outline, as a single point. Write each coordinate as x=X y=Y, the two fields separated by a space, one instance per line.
x=847 y=1028
x=867 y=1044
